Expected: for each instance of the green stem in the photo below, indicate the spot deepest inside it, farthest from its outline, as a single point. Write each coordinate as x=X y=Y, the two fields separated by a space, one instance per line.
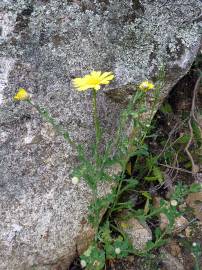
x=157 y=241
x=197 y=266
x=153 y=109
x=52 y=121
x=115 y=202
x=136 y=97
x=122 y=124
x=161 y=79
x=96 y=123
x=117 y=229
x=156 y=99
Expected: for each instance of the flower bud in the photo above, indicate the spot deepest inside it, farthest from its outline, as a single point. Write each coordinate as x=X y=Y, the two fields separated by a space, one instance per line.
x=75 y=180
x=83 y=263
x=117 y=251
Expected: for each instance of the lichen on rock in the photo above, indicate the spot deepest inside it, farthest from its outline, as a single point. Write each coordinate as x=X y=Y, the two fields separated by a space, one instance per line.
x=43 y=46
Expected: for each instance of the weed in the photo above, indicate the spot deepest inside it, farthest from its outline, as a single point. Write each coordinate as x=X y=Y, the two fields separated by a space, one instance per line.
x=145 y=171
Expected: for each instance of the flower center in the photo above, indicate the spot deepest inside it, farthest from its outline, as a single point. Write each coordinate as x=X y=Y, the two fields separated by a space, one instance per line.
x=94 y=81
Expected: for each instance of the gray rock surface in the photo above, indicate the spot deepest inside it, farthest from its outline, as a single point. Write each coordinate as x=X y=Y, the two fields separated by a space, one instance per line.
x=43 y=45
x=170 y=262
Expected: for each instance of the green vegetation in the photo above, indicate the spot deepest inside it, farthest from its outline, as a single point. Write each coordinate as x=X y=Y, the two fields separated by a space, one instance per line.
x=143 y=172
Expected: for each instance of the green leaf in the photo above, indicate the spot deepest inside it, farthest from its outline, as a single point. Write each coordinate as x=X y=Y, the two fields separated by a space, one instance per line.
x=151 y=162
x=197 y=133
x=143 y=109
x=184 y=139
x=129 y=184
x=105 y=233
x=158 y=233
x=125 y=247
x=195 y=187
x=96 y=260
x=180 y=192
x=139 y=214
x=196 y=250
x=150 y=245
x=158 y=174
x=134 y=114
x=160 y=243
x=166 y=108
x=141 y=151
x=146 y=194
x=110 y=251
x=150 y=178
x=97 y=207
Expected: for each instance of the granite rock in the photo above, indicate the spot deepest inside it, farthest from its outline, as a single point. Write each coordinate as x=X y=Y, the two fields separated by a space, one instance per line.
x=139 y=234
x=43 y=45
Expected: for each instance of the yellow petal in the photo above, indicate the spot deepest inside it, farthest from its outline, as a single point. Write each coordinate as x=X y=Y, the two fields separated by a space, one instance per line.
x=146 y=86
x=22 y=94
x=105 y=74
x=107 y=79
x=94 y=80
x=97 y=87
x=95 y=74
x=78 y=81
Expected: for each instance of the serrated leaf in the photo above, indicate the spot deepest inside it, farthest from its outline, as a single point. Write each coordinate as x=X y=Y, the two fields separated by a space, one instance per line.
x=142 y=151
x=146 y=194
x=184 y=139
x=160 y=243
x=157 y=172
x=195 y=187
x=150 y=178
x=150 y=245
x=130 y=185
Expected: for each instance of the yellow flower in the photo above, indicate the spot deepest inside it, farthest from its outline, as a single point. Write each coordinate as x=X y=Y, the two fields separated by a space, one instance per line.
x=21 y=94
x=146 y=86
x=93 y=80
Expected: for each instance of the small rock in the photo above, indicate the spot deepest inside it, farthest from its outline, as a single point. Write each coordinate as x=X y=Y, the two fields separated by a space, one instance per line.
x=138 y=234
x=164 y=222
x=175 y=249
x=180 y=224
x=183 y=206
x=170 y=262
x=115 y=169
x=188 y=232
x=194 y=200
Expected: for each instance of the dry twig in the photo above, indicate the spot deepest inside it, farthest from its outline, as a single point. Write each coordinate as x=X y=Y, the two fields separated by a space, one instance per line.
x=195 y=168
